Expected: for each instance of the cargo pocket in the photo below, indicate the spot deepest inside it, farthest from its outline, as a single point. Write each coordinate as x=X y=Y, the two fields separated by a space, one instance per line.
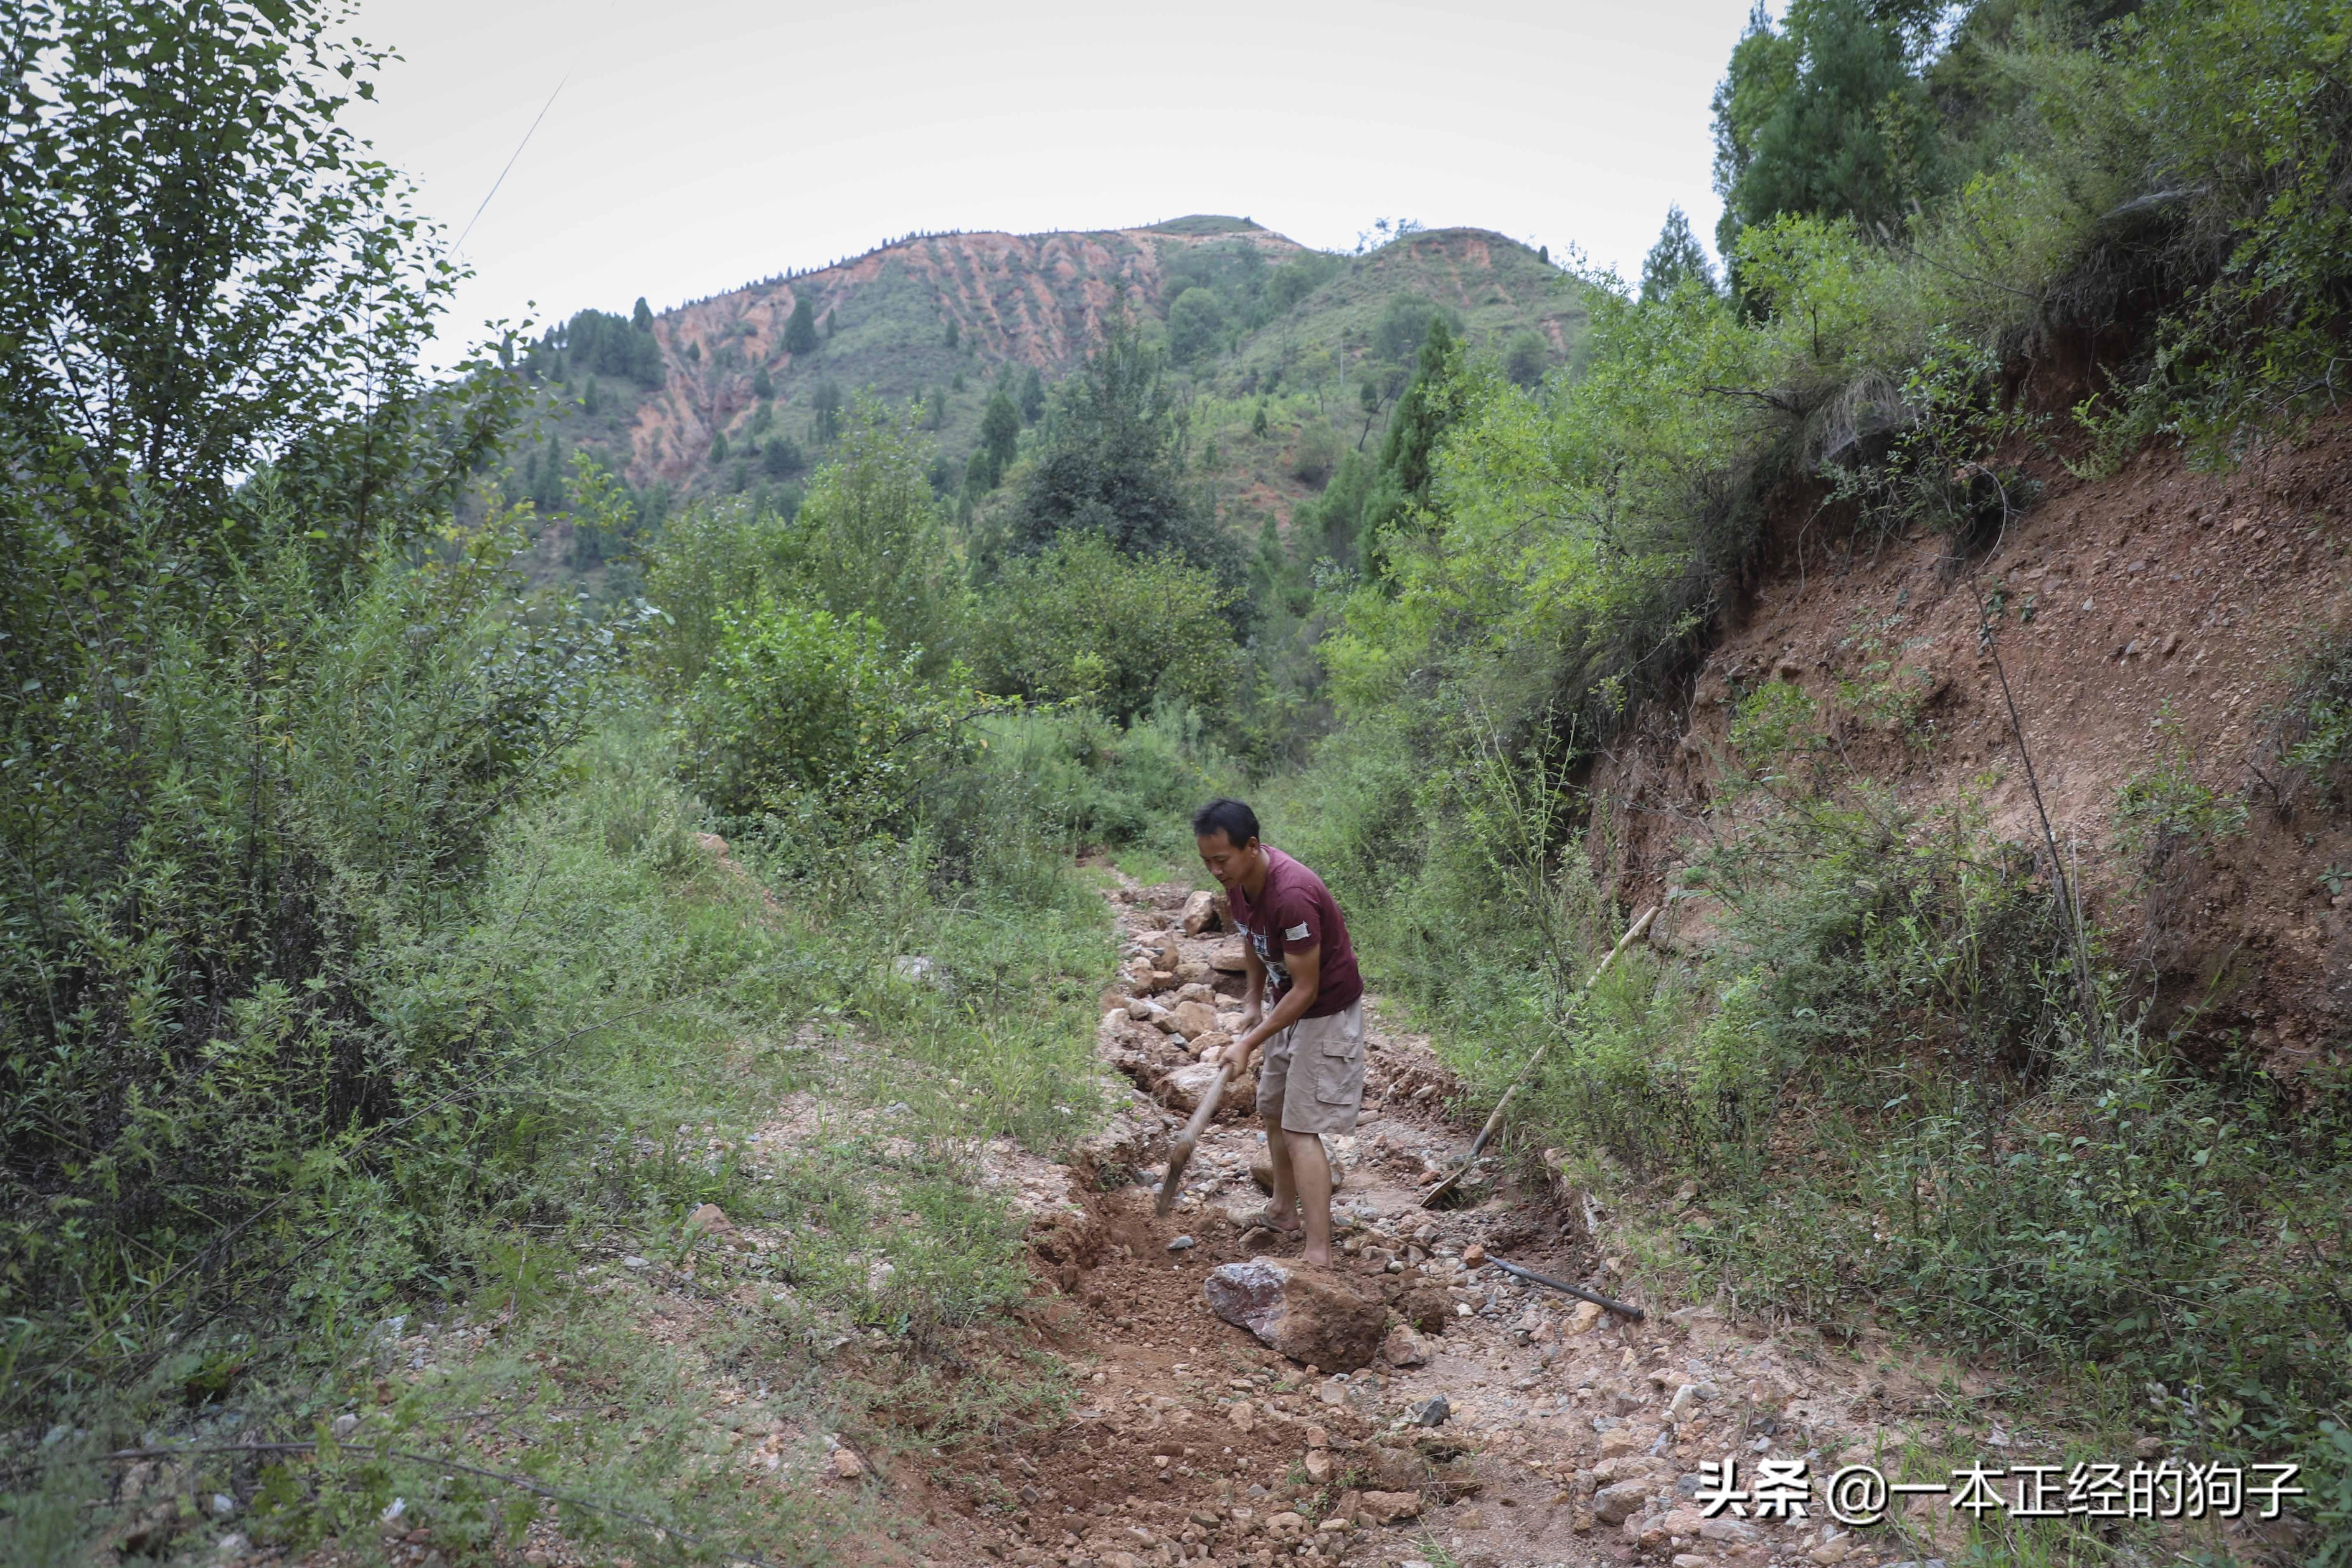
x=1340 y=1064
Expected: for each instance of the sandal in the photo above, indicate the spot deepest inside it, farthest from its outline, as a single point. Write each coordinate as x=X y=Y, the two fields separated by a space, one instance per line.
x=1265 y=1216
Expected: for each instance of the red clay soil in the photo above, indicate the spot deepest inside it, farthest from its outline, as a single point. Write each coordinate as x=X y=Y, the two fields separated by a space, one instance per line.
x=2158 y=599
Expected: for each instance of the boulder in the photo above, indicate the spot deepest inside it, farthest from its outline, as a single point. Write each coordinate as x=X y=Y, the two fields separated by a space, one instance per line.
x=1316 y=1316
x=1403 y=1347
x=1200 y=913
x=1193 y=973
x=1231 y=957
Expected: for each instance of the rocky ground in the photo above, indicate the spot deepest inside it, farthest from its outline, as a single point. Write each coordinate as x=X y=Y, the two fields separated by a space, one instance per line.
x=1496 y=1422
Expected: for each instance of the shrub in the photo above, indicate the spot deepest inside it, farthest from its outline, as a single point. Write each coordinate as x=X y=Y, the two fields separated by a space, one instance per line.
x=1317 y=453
x=1196 y=324
x=1083 y=622
x=806 y=716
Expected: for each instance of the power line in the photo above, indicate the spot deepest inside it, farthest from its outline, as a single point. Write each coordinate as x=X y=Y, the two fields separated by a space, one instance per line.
x=511 y=164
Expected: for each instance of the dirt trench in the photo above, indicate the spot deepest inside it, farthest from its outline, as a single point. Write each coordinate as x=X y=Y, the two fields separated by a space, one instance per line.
x=1571 y=1435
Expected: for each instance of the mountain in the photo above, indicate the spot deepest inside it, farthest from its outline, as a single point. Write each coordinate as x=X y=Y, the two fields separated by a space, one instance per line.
x=1251 y=318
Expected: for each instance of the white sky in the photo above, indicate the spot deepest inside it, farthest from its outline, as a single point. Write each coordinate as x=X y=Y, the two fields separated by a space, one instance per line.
x=698 y=144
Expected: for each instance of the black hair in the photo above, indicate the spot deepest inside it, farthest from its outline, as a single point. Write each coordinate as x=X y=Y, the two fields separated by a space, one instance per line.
x=1236 y=821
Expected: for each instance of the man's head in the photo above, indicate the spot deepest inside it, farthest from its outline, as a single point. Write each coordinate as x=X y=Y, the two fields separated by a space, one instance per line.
x=1226 y=831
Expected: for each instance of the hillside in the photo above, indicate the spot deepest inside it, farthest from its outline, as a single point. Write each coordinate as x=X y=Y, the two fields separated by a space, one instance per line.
x=940 y=320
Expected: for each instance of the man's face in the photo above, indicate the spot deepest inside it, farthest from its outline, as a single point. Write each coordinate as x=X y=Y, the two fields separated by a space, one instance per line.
x=1226 y=861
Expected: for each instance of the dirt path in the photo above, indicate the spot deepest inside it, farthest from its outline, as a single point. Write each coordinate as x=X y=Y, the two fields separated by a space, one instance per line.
x=1572 y=1437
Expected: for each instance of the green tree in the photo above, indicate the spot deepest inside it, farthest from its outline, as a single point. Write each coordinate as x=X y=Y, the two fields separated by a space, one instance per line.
x=1113 y=464
x=1431 y=404
x=1527 y=358
x=1033 y=397
x=1406 y=324
x=1000 y=430
x=642 y=318
x=871 y=538
x=201 y=267
x=954 y=334
x=1676 y=256
x=1823 y=116
x=935 y=408
x=800 y=329
x=1083 y=621
x=763 y=385
x=779 y=459
x=1196 y=324
x=825 y=425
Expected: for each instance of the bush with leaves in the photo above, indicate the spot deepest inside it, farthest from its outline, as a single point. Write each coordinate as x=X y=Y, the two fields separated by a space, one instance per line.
x=812 y=718
x=1083 y=622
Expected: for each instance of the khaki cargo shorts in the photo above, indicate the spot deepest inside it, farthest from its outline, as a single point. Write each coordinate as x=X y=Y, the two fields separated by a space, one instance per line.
x=1313 y=1073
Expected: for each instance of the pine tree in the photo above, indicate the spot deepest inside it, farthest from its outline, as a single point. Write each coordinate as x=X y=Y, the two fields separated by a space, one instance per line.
x=762 y=384
x=718 y=448
x=953 y=334
x=800 y=331
x=1674 y=258
x=1000 y=430
x=1033 y=397
x=642 y=318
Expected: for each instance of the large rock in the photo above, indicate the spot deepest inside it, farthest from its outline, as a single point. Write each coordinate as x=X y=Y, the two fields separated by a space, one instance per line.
x=1200 y=913
x=1231 y=957
x=1392 y=1507
x=1403 y=1347
x=1318 y=1316
x=1195 y=1018
x=1181 y=1091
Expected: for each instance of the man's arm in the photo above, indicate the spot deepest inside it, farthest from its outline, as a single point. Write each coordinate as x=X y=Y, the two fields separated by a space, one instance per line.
x=1306 y=968
x=1253 y=990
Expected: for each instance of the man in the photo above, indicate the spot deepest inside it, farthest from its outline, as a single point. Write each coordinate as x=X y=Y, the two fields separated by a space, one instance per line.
x=1305 y=1007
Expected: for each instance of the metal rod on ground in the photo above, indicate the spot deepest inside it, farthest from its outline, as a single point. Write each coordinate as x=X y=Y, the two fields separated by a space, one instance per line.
x=1579 y=1291
x=1478 y=1144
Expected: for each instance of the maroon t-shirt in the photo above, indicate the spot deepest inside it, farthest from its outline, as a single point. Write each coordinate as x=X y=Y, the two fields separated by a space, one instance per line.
x=1292 y=912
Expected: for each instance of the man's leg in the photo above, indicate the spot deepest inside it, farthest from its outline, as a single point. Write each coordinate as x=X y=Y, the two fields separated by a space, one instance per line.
x=1311 y=1171
x=1286 y=1179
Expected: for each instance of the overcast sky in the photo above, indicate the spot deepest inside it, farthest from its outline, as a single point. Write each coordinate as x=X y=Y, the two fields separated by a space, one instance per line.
x=698 y=144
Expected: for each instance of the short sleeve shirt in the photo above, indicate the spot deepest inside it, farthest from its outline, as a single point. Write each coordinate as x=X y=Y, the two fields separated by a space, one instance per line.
x=1292 y=912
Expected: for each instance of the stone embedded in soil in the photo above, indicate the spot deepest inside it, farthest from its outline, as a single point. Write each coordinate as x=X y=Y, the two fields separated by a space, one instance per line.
x=1191 y=1018
x=1389 y=1508
x=1318 y=1316
x=712 y=1218
x=847 y=1465
x=1614 y=1504
x=1317 y=1463
x=1405 y=1347
x=1181 y=1091
x=1433 y=1413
